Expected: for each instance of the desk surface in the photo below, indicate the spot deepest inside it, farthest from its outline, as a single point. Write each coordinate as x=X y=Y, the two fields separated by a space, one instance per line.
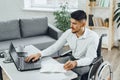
x=14 y=74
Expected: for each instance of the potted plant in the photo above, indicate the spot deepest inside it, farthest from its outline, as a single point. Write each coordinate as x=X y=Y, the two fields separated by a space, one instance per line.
x=117 y=19
x=62 y=18
x=117 y=15
x=92 y=3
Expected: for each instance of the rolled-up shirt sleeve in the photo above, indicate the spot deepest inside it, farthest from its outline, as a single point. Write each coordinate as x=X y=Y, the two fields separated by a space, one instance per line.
x=56 y=46
x=91 y=53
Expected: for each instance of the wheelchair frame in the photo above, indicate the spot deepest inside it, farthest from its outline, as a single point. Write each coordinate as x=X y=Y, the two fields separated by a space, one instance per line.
x=96 y=67
x=98 y=74
x=101 y=68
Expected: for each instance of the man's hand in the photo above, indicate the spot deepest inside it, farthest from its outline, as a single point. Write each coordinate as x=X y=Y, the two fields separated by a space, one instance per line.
x=70 y=65
x=33 y=57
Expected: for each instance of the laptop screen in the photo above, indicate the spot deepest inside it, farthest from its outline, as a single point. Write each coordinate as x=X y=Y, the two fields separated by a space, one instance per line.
x=18 y=59
x=13 y=54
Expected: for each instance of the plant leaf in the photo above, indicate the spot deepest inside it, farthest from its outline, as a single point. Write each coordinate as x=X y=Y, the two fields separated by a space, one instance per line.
x=118 y=19
x=116 y=16
x=118 y=25
x=116 y=10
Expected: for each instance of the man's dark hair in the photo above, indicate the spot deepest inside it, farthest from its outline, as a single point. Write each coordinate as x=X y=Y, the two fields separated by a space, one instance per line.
x=79 y=15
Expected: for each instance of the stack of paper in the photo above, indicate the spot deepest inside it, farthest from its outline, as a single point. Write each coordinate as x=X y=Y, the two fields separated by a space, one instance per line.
x=50 y=65
x=30 y=49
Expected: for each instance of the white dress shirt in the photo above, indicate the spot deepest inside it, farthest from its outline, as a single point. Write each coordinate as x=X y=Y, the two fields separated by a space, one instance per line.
x=83 y=48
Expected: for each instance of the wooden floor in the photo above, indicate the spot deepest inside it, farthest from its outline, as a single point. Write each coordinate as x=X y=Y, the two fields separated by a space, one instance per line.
x=113 y=57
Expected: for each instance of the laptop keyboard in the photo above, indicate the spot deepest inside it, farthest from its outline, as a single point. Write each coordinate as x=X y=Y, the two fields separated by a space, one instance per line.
x=31 y=65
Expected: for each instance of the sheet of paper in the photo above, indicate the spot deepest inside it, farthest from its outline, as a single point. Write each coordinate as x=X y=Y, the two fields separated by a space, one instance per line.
x=50 y=65
x=31 y=49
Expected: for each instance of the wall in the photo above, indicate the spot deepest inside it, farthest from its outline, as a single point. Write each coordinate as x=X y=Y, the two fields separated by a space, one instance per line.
x=12 y=9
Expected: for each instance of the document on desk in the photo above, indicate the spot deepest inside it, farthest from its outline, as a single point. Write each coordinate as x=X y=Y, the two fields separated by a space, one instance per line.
x=50 y=65
x=30 y=49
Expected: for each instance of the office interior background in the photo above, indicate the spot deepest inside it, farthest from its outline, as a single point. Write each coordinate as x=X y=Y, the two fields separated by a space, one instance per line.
x=15 y=9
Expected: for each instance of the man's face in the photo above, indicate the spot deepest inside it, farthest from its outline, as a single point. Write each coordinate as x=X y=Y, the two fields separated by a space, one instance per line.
x=76 y=25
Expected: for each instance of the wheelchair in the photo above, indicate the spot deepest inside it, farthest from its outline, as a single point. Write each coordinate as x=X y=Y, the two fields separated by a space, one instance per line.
x=98 y=69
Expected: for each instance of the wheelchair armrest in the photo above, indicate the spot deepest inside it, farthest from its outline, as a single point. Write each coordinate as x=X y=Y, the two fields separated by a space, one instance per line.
x=67 y=53
x=96 y=60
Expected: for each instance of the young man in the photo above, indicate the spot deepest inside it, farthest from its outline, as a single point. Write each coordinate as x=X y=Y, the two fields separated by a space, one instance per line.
x=82 y=41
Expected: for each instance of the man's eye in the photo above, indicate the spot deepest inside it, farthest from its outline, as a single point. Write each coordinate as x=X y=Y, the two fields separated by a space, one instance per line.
x=74 y=23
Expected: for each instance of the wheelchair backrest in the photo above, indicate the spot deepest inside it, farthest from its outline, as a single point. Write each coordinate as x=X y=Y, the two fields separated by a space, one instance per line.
x=100 y=45
x=97 y=61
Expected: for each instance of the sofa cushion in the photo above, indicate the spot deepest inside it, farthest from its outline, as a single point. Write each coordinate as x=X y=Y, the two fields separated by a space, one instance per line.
x=34 y=26
x=40 y=42
x=9 y=30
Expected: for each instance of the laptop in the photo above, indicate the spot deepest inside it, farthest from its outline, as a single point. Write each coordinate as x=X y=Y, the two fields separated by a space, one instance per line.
x=19 y=60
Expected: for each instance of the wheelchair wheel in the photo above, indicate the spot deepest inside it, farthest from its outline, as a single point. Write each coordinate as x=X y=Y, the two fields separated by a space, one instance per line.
x=104 y=72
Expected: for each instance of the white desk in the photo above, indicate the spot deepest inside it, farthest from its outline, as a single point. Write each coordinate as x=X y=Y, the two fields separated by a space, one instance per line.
x=14 y=74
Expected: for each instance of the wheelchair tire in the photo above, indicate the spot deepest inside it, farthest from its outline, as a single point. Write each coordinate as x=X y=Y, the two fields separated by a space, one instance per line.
x=104 y=72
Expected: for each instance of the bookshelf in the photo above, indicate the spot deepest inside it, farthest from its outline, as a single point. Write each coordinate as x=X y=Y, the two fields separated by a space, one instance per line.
x=100 y=19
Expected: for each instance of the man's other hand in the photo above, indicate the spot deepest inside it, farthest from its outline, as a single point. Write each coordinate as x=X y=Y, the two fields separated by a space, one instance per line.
x=33 y=57
x=70 y=65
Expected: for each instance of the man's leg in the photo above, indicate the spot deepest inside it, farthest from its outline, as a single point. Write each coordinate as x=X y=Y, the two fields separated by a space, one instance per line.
x=64 y=60
x=80 y=71
x=1 y=77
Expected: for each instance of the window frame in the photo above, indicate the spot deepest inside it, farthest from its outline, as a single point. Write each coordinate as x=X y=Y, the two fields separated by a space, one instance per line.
x=28 y=6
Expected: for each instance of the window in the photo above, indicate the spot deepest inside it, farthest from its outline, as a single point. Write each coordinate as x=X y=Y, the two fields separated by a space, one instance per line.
x=49 y=5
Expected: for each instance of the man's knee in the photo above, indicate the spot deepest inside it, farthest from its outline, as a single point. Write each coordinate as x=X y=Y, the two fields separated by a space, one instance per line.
x=81 y=70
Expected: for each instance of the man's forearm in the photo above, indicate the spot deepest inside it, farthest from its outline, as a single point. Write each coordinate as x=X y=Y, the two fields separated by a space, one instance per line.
x=84 y=61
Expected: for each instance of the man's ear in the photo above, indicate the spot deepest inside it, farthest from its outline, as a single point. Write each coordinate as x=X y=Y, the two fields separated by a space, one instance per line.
x=83 y=23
